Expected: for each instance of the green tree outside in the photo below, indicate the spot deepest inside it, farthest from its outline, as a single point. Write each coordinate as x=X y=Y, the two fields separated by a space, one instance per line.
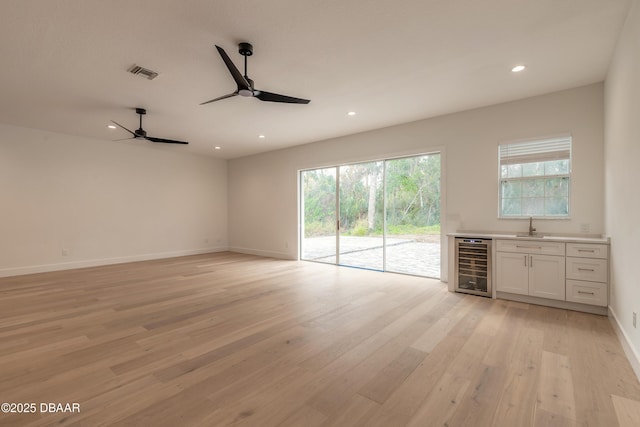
x=411 y=186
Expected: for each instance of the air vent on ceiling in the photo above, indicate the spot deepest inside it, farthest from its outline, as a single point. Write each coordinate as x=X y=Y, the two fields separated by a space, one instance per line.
x=144 y=72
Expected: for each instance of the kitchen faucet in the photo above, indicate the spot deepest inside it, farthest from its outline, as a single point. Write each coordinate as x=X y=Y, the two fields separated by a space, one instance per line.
x=531 y=229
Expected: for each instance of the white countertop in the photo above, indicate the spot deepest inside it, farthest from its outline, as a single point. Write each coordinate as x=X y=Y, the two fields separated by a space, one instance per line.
x=550 y=237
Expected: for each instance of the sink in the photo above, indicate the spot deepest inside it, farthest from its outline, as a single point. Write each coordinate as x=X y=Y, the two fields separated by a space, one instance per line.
x=537 y=235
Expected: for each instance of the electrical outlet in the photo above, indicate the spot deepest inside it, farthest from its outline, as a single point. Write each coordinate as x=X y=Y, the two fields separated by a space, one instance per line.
x=634 y=319
x=585 y=227
x=65 y=252
x=206 y=240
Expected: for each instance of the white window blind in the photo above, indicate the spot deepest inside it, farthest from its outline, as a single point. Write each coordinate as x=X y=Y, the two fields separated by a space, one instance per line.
x=536 y=151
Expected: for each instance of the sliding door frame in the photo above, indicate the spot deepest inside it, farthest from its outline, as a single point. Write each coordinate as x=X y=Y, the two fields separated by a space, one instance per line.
x=436 y=150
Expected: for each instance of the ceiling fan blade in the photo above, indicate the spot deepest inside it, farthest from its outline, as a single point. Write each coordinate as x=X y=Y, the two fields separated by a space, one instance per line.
x=166 y=141
x=130 y=131
x=221 y=97
x=237 y=76
x=274 y=97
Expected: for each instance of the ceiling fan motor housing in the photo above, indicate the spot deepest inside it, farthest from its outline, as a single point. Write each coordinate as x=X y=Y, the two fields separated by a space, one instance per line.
x=245 y=49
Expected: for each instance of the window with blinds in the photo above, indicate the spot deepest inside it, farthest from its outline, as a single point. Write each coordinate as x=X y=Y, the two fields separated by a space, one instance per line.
x=535 y=177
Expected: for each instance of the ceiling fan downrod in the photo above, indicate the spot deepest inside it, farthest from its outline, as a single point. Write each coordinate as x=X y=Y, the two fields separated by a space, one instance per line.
x=246 y=49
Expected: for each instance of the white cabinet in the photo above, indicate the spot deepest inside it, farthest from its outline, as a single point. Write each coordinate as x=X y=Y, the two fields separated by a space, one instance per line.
x=512 y=273
x=591 y=293
x=531 y=247
x=524 y=268
x=561 y=271
x=591 y=270
x=587 y=250
x=587 y=273
x=546 y=276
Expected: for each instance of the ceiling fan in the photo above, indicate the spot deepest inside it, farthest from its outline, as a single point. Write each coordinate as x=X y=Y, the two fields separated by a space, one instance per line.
x=245 y=84
x=142 y=134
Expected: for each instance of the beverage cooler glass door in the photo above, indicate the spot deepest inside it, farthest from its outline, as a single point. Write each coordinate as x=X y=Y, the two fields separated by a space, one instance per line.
x=473 y=266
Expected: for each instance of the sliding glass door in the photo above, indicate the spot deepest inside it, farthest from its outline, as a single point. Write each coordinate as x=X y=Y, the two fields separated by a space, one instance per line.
x=382 y=215
x=318 y=204
x=361 y=223
x=412 y=215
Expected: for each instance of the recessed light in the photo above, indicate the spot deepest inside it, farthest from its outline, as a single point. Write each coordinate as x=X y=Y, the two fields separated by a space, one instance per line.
x=351 y=113
x=518 y=68
x=111 y=126
x=217 y=148
x=261 y=136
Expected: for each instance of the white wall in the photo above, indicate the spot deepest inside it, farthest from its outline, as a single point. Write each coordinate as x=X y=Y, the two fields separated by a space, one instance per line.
x=103 y=202
x=263 y=188
x=622 y=163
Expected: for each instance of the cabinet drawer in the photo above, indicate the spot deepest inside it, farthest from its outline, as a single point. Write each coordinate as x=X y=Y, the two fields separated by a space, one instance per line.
x=587 y=250
x=530 y=247
x=589 y=269
x=587 y=292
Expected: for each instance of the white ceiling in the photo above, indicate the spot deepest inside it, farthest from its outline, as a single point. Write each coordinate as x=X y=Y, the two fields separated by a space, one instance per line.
x=64 y=63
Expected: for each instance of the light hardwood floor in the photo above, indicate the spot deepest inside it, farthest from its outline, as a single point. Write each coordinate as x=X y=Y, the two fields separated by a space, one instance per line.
x=229 y=339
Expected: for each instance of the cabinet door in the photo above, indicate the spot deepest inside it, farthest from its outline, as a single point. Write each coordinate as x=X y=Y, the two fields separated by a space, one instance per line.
x=546 y=276
x=512 y=275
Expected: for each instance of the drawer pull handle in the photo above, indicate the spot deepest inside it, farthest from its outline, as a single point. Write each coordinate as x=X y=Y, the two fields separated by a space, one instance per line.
x=528 y=247
x=588 y=293
x=586 y=269
x=586 y=250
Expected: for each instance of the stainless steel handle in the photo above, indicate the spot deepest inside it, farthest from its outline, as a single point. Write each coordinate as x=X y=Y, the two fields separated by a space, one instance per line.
x=528 y=247
x=525 y=260
x=588 y=293
x=531 y=261
x=586 y=269
x=586 y=250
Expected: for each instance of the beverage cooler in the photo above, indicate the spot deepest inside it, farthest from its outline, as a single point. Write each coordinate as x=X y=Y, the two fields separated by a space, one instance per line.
x=473 y=266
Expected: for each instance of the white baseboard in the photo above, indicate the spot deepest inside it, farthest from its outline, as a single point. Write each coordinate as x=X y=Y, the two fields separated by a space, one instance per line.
x=630 y=352
x=566 y=305
x=20 y=271
x=268 y=254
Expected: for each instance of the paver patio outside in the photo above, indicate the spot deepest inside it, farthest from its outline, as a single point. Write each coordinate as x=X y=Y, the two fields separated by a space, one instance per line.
x=404 y=255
